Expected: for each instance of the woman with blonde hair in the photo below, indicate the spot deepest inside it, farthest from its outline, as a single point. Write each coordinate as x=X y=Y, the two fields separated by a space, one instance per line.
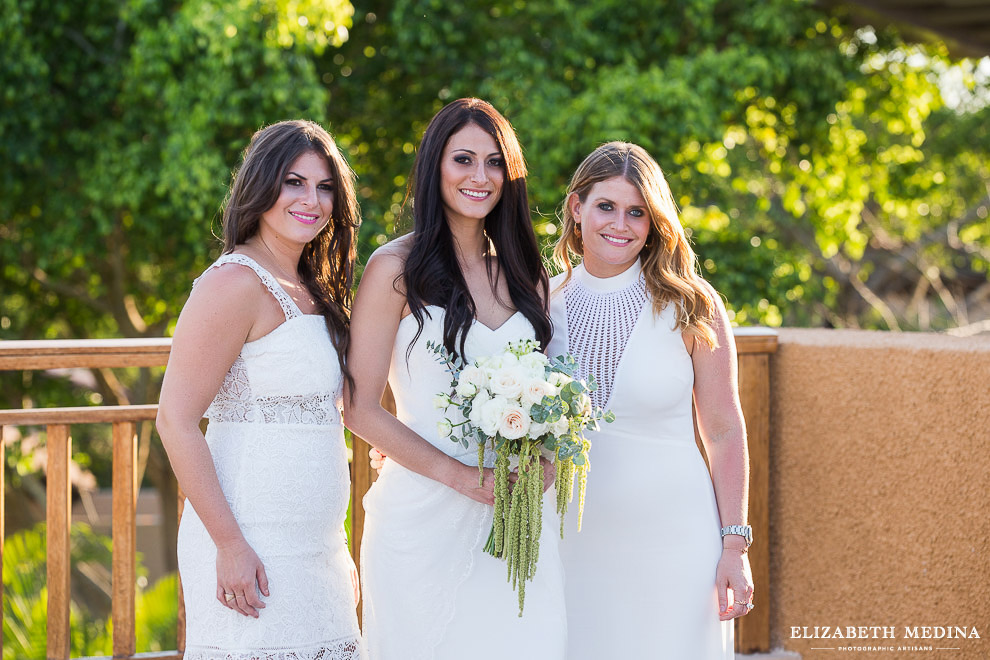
x=660 y=567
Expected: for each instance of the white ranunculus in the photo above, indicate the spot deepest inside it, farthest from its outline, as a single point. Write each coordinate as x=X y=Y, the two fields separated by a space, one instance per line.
x=514 y=423
x=534 y=362
x=491 y=415
x=558 y=379
x=561 y=426
x=534 y=389
x=536 y=429
x=441 y=401
x=445 y=428
x=583 y=405
x=507 y=382
x=509 y=359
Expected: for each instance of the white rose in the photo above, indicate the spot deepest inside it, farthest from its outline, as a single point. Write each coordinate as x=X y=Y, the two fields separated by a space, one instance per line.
x=441 y=401
x=445 y=428
x=507 y=382
x=534 y=390
x=558 y=379
x=475 y=376
x=537 y=429
x=491 y=415
x=466 y=390
x=561 y=426
x=514 y=423
x=477 y=403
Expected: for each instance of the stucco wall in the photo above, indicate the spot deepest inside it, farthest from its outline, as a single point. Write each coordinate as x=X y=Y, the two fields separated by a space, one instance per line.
x=880 y=489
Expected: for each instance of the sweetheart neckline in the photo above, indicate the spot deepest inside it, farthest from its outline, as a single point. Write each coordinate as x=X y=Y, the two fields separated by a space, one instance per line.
x=474 y=321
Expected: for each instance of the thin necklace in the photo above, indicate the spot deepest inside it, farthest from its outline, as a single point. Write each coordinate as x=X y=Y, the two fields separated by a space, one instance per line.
x=294 y=280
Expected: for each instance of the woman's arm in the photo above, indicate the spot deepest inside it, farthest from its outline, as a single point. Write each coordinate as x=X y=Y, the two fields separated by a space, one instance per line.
x=375 y=320
x=723 y=432
x=211 y=330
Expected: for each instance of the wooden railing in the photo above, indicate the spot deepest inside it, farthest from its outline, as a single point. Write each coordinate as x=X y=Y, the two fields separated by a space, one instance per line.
x=754 y=346
x=31 y=355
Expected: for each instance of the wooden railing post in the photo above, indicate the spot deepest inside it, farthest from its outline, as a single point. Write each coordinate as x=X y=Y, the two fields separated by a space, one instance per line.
x=754 y=346
x=124 y=538
x=59 y=498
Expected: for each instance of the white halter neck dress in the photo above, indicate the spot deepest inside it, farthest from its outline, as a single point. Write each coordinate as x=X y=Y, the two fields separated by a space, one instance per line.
x=641 y=573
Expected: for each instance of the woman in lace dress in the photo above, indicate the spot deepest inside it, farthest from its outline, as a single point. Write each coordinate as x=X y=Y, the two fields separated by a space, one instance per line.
x=258 y=349
x=469 y=277
x=650 y=575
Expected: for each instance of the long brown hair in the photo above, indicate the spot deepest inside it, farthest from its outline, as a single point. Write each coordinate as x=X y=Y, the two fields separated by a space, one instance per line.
x=327 y=262
x=431 y=274
x=669 y=264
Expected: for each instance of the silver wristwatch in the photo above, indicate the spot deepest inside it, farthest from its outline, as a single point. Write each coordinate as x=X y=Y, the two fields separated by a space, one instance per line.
x=744 y=531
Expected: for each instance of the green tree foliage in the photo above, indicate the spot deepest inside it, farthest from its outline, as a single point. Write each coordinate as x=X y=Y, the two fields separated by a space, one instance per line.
x=781 y=129
x=120 y=124
x=25 y=602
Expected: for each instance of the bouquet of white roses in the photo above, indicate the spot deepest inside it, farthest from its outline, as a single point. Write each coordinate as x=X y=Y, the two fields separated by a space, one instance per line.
x=521 y=404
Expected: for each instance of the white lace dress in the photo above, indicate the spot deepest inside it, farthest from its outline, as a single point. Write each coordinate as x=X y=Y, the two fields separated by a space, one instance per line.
x=430 y=590
x=277 y=443
x=641 y=573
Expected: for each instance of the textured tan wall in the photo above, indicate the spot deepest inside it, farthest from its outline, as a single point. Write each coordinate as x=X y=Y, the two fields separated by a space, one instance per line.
x=880 y=489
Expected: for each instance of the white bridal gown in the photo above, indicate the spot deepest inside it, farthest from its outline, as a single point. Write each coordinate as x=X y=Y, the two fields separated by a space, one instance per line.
x=431 y=592
x=641 y=573
x=277 y=443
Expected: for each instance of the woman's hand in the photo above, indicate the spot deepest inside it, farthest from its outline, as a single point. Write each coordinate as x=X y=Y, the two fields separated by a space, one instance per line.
x=733 y=574
x=241 y=573
x=377 y=460
x=549 y=473
x=356 y=583
x=466 y=484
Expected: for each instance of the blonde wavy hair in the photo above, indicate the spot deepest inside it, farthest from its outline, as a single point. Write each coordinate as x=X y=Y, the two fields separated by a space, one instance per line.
x=669 y=263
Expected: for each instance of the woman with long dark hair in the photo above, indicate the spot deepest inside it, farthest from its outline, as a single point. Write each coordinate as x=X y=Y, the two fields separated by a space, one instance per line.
x=659 y=568
x=259 y=350
x=469 y=277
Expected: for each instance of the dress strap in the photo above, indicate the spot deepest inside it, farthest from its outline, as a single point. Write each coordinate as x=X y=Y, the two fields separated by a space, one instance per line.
x=285 y=301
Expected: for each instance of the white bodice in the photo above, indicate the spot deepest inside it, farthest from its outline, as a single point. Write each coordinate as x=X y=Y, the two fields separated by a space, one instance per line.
x=416 y=380
x=644 y=373
x=289 y=376
x=601 y=315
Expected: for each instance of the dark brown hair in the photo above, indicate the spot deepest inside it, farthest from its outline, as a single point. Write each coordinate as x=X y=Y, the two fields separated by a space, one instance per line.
x=431 y=274
x=327 y=262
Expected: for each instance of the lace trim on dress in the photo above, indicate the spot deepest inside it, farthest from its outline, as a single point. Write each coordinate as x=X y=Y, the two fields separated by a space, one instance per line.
x=285 y=301
x=342 y=649
x=235 y=403
x=598 y=328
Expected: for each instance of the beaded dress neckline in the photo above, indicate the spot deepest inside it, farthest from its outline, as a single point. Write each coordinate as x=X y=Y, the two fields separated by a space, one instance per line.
x=601 y=314
x=608 y=284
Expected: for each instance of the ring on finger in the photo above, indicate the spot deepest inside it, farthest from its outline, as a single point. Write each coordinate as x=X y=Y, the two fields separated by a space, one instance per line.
x=749 y=606
x=228 y=596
